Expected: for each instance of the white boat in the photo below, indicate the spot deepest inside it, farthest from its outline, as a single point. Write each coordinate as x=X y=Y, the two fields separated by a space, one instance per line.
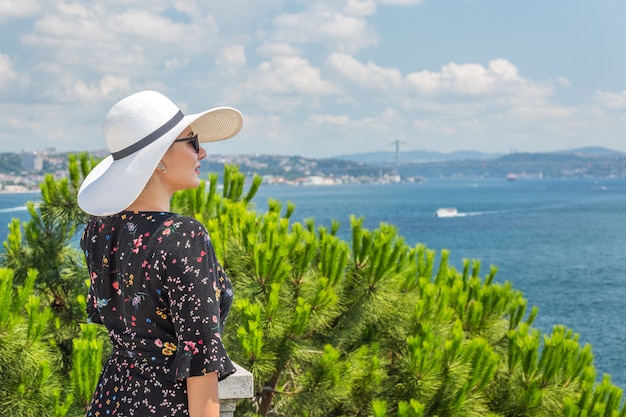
x=446 y=212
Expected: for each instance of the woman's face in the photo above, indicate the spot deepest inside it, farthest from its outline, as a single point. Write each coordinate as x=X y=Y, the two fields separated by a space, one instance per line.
x=182 y=164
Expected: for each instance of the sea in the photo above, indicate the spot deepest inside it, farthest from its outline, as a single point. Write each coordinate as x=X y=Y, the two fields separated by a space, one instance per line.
x=561 y=242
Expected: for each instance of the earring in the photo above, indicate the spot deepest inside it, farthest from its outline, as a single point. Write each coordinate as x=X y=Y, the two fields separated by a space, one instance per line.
x=162 y=167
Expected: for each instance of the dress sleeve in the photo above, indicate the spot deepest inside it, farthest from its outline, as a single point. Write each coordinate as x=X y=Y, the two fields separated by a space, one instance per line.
x=195 y=296
x=93 y=315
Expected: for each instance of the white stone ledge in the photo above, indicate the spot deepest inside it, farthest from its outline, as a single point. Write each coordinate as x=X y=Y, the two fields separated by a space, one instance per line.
x=236 y=387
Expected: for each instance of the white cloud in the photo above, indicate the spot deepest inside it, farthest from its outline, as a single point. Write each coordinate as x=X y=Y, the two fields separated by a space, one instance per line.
x=525 y=114
x=73 y=9
x=289 y=75
x=435 y=126
x=11 y=9
x=103 y=88
x=74 y=48
x=447 y=107
x=345 y=134
x=370 y=75
x=549 y=127
x=269 y=49
x=293 y=68
x=325 y=25
x=500 y=77
x=382 y=123
x=401 y=2
x=176 y=63
x=9 y=77
x=503 y=69
x=232 y=59
x=162 y=31
x=6 y=69
x=563 y=81
x=500 y=81
x=330 y=119
x=523 y=128
x=360 y=8
x=51 y=124
x=107 y=40
x=611 y=100
x=262 y=133
x=188 y=7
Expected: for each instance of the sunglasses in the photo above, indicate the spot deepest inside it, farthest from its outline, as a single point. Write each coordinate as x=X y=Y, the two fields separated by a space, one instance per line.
x=193 y=140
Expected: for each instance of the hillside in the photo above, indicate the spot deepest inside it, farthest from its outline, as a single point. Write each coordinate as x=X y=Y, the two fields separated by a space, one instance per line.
x=572 y=164
x=591 y=162
x=594 y=162
x=407 y=157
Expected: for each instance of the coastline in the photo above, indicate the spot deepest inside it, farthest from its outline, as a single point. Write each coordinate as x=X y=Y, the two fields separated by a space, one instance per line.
x=20 y=191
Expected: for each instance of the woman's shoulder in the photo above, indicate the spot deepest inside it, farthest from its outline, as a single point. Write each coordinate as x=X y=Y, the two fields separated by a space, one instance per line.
x=150 y=222
x=180 y=224
x=156 y=217
x=182 y=219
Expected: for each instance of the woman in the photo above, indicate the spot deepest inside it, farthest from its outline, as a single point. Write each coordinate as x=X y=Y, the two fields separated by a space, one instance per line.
x=155 y=281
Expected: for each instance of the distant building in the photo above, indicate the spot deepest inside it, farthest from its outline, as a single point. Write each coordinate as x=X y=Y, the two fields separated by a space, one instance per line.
x=317 y=180
x=272 y=179
x=14 y=188
x=31 y=161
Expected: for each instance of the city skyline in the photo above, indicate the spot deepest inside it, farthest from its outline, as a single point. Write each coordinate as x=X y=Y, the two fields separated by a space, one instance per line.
x=323 y=78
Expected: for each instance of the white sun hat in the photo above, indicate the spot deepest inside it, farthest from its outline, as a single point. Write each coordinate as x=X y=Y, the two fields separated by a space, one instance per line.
x=138 y=130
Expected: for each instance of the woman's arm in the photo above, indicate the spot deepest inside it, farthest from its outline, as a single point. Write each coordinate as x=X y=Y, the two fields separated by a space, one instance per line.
x=203 y=395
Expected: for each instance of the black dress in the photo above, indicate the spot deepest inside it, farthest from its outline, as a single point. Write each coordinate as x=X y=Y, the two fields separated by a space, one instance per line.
x=158 y=288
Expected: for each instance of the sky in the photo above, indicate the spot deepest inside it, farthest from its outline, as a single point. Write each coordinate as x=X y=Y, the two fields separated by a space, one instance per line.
x=323 y=78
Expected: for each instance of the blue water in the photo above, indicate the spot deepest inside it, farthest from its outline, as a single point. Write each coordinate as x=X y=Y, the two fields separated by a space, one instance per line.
x=13 y=205
x=561 y=242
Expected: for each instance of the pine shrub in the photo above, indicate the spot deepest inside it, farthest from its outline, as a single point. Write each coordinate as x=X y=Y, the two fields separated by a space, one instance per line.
x=328 y=327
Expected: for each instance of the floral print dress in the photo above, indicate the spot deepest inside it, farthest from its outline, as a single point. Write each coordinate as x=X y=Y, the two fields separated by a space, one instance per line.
x=158 y=288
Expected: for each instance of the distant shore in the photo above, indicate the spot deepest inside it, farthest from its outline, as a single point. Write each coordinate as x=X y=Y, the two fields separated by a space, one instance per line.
x=19 y=191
